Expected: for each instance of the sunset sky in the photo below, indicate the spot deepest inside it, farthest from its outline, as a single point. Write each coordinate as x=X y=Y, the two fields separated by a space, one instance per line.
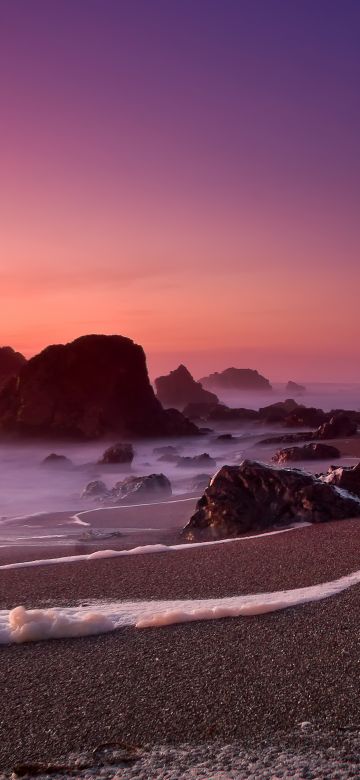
x=186 y=173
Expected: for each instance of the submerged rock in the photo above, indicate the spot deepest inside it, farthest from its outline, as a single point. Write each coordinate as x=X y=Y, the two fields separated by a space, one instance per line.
x=95 y=489
x=294 y=387
x=200 y=482
x=219 y=412
x=278 y=411
x=307 y=452
x=196 y=460
x=254 y=496
x=57 y=460
x=139 y=488
x=92 y=387
x=118 y=453
x=179 y=388
x=337 y=427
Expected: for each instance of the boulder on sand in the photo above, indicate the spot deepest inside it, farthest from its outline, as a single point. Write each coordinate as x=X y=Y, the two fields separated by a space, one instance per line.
x=118 y=453
x=133 y=489
x=95 y=489
x=254 y=496
x=345 y=477
x=92 y=387
x=338 y=426
x=179 y=388
x=307 y=452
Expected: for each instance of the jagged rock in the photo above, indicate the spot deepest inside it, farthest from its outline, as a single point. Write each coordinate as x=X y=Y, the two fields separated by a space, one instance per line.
x=10 y=364
x=345 y=477
x=196 y=460
x=307 y=452
x=179 y=388
x=95 y=489
x=277 y=412
x=132 y=489
x=337 y=427
x=118 y=453
x=237 y=379
x=57 y=460
x=200 y=482
x=95 y=386
x=305 y=416
x=294 y=387
x=254 y=496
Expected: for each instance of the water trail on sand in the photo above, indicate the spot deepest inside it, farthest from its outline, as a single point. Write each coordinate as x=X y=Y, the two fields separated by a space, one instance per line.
x=25 y=625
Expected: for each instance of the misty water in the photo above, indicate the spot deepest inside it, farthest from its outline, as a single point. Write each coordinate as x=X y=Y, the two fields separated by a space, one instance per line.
x=28 y=488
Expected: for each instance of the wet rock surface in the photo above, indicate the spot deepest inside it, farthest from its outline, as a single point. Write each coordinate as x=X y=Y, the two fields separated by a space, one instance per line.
x=307 y=452
x=118 y=453
x=254 y=496
x=192 y=461
x=237 y=379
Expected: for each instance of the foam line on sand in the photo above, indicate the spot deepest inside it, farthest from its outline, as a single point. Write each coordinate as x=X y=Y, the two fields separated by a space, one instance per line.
x=25 y=625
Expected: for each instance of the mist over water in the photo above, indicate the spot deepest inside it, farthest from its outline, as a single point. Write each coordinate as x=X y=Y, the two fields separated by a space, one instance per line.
x=28 y=487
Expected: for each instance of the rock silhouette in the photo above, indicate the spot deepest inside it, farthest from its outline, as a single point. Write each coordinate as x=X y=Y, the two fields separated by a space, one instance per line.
x=179 y=388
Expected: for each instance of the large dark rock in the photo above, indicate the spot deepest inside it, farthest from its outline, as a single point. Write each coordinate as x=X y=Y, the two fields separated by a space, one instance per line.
x=118 y=453
x=293 y=387
x=219 y=413
x=288 y=438
x=189 y=462
x=236 y=379
x=57 y=461
x=345 y=477
x=278 y=411
x=307 y=452
x=133 y=489
x=179 y=388
x=92 y=387
x=337 y=427
x=254 y=496
x=95 y=489
x=305 y=416
x=10 y=364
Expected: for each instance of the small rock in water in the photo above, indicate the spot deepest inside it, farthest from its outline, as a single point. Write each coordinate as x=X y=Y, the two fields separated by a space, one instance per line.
x=307 y=452
x=139 y=488
x=197 y=460
x=118 y=453
x=57 y=460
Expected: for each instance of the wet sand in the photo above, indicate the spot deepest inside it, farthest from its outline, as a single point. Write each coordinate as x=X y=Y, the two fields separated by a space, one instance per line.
x=236 y=679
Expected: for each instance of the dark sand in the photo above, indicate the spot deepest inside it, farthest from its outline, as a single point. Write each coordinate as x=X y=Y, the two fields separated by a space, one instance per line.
x=243 y=678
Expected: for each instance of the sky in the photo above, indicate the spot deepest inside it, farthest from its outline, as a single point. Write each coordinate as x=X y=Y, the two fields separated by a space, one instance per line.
x=185 y=173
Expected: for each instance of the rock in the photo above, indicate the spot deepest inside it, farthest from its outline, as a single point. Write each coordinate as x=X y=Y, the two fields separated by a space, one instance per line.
x=236 y=379
x=307 y=452
x=254 y=496
x=196 y=460
x=304 y=416
x=57 y=460
x=95 y=489
x=337 y=427
x=218 y=412
x=293 y=387
x=92 y=387
x=278 y=411
x=179 y=388
x=118 y=453
x=167 y=449
x=200 y=482
x=10 y=364
x=345 y=477
x=135 y=489
x=169 y=457
x=225 y=437
x=288 y=438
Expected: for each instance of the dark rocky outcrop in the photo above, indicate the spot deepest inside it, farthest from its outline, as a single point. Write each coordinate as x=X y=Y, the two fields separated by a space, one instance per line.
x=54 y=460
x=219 y=413
x=95 y=489
x=254 y=496
x=305 y=416
x=10 y=364
x=189 y=462
x=118 y=453
x=133 y=489
x=92 y=387
x=278 y=411
x=179 y=388
x=337 y=427
x=288 y=438
x=166 y=449
x=236 y=379
x=293 y=387
x=345 y=477
x=307 y=452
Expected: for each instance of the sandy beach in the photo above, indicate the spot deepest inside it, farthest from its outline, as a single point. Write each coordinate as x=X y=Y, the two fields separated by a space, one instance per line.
x=234 y=679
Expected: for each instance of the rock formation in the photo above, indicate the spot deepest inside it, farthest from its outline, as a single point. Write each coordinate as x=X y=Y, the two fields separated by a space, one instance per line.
x=179 y=388
x=236 y=379
x=293 y=387
x=345 y=477
x=307 y=452
x=337 y=427
x=219 y=413
x=254 y=496
x=10 y=364
x=92 y=387
x=189 y=462
x=118 y=453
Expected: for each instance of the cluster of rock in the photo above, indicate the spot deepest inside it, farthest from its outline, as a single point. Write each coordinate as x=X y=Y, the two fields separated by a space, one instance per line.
x=236 y=379
x=294 y=387
x=179 y=388
x=254 y=496
x=338 y=426
x=130 y=490
x=93 y=387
